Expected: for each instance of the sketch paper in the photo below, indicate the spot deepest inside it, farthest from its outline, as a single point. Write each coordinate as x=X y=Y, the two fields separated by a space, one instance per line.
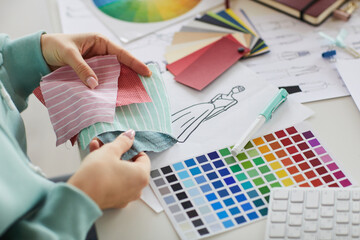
x=295 y=58
x=349 y=71
x=226 y=127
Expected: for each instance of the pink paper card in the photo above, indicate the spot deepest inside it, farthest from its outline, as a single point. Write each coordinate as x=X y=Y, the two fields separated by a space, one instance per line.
x=217 y=58
x=180 y=65
x=73 y=106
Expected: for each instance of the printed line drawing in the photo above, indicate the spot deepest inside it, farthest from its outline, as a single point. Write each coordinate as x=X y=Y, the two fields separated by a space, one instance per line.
x=284 y=39
x=306 y=87
x=275 y=25
x=291 y=55
x=187 y=120
x=295 y=71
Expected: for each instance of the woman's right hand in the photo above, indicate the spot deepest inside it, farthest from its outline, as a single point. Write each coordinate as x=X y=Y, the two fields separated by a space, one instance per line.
x=110 y=181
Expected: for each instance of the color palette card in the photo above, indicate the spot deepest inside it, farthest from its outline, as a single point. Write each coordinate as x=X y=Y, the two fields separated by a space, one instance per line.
x=200 y=52
x=214 y=192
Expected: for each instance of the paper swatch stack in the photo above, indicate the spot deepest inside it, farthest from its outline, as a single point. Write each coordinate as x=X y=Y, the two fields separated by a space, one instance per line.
x=207 y=46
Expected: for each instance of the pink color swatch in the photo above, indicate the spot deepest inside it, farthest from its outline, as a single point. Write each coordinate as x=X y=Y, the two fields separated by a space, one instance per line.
x=212 y=63
x=73 y=106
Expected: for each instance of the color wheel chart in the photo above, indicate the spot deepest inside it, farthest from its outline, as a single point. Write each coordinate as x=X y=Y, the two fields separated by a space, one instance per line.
x=215 y=192
x=132 y=19
x=141 y=11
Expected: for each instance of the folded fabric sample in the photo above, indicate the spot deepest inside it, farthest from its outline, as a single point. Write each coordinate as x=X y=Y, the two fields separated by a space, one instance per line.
x=130 y=88
x=73 y=106
x=143 y=142
x=150 y=119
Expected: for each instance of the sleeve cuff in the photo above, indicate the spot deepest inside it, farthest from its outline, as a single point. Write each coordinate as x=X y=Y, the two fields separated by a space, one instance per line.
x=25 y=66
x=71 y=210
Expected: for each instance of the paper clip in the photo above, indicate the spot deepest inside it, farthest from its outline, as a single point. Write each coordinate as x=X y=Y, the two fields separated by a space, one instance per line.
x=330 y=55
x=339 y=42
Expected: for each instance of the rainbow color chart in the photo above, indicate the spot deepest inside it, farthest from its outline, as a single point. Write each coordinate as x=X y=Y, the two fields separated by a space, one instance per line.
x=215 y=192
x=145 y=11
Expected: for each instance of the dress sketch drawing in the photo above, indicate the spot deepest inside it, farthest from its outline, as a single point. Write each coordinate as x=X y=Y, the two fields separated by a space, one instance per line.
x=187 y=120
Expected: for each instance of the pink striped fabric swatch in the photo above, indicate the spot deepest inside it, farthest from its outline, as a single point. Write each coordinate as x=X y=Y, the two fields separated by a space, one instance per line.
x=73 y=106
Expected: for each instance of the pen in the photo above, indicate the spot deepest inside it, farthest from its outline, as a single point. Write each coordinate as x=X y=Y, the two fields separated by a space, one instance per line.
x=264 y=116
x=227 y=4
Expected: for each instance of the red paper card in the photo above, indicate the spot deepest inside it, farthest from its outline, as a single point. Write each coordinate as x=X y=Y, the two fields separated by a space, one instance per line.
x=180 y=65
x=218 y=57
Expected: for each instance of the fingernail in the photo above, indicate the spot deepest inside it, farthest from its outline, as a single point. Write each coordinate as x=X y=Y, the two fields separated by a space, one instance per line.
x=150 y=73
x=91 y=82
x=130 y=134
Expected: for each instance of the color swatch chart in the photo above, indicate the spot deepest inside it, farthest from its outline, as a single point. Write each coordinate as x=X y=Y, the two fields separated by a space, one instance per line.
x=215 y=192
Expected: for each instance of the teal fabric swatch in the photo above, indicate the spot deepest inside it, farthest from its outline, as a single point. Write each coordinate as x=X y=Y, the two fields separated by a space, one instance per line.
x=143 y=142
x=150 y=120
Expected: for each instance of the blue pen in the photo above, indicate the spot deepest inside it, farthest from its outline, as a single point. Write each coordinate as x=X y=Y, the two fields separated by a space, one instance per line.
x=263 y=117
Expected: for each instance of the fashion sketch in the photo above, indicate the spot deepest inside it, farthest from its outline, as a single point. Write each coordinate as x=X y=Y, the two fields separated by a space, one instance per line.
x=187 y=120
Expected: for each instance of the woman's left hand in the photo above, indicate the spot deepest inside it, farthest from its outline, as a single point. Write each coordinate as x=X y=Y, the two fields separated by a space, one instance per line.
x=71 y=49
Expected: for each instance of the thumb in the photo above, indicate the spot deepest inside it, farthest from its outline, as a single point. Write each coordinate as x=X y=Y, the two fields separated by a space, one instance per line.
x=122 y=143
x=83 y=70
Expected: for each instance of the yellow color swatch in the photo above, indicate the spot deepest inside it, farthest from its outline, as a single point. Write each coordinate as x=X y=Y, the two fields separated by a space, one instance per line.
x=281 y=174
x=287 y=182
x=275 y=165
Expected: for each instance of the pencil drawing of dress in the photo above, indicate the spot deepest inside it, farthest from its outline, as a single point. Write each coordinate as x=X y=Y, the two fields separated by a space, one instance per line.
x=187 y=120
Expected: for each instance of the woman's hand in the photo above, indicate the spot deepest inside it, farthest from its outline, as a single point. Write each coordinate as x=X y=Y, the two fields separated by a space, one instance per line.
x=110 y=181
x=71 y=49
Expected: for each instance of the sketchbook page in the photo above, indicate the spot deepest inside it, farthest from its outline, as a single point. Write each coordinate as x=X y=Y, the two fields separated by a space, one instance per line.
x=295 y=61
x=349 y=71
x=219 y=114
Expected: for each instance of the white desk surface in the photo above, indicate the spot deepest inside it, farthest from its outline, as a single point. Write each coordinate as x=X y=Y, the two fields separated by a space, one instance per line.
x=337 y=121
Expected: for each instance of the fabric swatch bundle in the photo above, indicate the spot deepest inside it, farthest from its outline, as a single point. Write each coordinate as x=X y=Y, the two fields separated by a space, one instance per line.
x=122 y=100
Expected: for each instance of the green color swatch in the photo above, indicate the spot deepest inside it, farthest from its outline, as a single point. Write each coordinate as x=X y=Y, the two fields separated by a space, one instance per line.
x=230 y=160
x=225 y=152
x=241 y=156
x=235 y=168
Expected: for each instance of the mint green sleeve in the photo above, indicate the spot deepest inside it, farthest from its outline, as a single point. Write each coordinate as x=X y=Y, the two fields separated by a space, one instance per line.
x=32 y=207
x=22 y=58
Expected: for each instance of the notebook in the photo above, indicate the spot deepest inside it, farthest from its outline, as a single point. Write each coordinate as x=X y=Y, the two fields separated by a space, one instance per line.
x=311 y=11
x=314 y=213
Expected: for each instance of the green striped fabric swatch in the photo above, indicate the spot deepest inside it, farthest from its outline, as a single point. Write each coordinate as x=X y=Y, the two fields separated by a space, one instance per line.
x=149 y=116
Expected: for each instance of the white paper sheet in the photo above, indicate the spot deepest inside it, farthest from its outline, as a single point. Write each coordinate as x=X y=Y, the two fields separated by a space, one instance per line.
x=226 y=128
x=75 y=17
x=349 y=71
x=295 y=55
